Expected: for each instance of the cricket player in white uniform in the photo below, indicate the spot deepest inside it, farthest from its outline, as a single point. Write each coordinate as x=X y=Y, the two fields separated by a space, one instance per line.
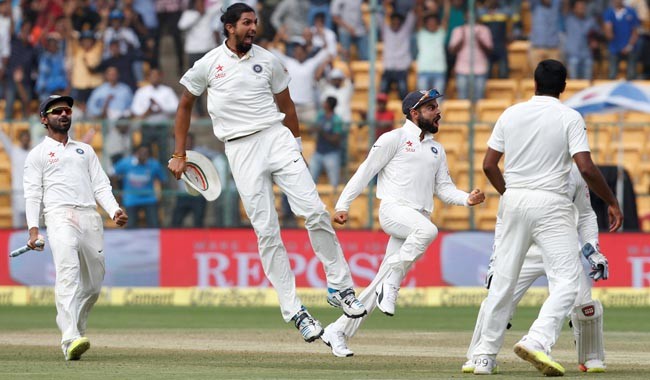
x=587 y=315
x=539 y=138
x=66 y=176
x=252 y=112
x=412 y=167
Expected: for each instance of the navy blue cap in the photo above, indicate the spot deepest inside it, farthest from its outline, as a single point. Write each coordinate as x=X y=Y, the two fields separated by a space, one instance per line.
x=413 y=99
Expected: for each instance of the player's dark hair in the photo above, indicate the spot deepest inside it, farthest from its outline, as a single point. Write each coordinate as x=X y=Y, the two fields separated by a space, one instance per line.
x=233 y=14
x=550 y=78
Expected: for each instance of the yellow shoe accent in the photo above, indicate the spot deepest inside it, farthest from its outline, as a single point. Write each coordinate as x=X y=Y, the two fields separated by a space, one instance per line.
x=596 y=370
x=539 y=360
x=77 y=347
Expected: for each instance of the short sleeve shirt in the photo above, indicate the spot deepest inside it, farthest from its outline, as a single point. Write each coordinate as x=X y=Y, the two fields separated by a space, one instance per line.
x=240 y=90
x=538 y=139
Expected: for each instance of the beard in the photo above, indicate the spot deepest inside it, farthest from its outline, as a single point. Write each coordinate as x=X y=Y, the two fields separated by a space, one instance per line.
x=428 y=126
x=60 y=126
x=243 y=47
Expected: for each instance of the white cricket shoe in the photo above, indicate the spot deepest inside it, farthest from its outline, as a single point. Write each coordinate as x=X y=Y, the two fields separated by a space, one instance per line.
x=336 y=340
x=593 y=366
x=534 y=353
x=485 y=365
x=386 y=298
x=468 y=367
x=309 y=327
x=346 y=300
x=73 y=350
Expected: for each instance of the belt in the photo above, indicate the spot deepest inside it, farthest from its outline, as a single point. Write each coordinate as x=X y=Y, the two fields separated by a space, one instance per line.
x=241 y=137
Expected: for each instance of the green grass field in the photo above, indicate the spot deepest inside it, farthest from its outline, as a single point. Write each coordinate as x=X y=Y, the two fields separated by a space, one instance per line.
x=254 y=343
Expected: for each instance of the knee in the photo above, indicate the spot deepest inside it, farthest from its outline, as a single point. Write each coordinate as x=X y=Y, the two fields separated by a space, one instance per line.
x=319 y=218
x=268 y=238
x=427 y=234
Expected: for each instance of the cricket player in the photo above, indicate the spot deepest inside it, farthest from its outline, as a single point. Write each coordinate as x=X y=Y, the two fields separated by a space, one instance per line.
x=66 y=176
x=252 y=112
x=539 y=139
x=412 y=167
x=587 y=315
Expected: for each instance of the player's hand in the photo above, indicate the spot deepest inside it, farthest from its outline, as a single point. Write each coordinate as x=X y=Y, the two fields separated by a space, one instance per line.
x=36 y=242
x=598 y=262
x=177 y=167
x=120 y=218
x=475 y=197
x=615 y=217
x=341 y=217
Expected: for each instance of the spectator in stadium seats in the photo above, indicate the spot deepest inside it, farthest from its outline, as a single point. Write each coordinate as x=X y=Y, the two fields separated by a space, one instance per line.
x=5 y=41
x=620 y=24
x=322 y=8
x=329 y=132
x=118 y=142
x=396 y=34
x=460 y=45
x=340 y=87
x=123 y=62
x=457 y=10
x=322 y=35
x=290 y=20
x=384 y=118
x=352 y=30
x=84 y=16
x=111 y=100
x=17 y=154
x=545 y=30
x=20 y=68
x=128 y=40
x=155 y=104
x=52 y=77
x=134 y=20
x=432 y=54
x=147 y=10
x=501 y=21
x=140 y=175
x=169 y=12
x=86 y=53
x=578 y=43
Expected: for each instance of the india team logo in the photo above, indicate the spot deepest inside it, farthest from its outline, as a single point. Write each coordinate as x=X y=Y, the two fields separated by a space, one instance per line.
x=434 y=150
x=257 y=68
x=80 y=151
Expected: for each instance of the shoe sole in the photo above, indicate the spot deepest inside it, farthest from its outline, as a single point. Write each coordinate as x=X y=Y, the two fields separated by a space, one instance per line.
x=540 y=361
x=312 y=339
x=334 y=353
x=352 y=316
x=75 y=352
x=495 y=371
x=583 y=368
x=467 y=369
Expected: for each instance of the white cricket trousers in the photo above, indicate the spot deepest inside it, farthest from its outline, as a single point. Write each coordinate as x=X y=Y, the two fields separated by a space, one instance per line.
x=547 y=220
x=272 y=156
x=411 y=232
x=76 y=238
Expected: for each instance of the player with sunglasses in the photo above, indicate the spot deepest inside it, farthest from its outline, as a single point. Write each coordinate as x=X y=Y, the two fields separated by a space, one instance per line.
x=66 y=176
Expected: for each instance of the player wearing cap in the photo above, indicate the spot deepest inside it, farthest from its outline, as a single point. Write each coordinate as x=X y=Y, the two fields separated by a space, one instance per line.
x=587 y=315
x=412 y=167
x=252 y=112
x=66 y=176
x=539 y=139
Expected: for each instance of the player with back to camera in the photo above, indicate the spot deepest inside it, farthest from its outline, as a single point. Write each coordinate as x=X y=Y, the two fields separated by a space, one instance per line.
x=539 y=139
x=412 y=167
x=587 y=315
x=252 y=112
x=66 y=176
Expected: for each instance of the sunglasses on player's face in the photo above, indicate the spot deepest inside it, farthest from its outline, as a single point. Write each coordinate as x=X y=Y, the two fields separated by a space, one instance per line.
x=59 y=111
x=433 y=93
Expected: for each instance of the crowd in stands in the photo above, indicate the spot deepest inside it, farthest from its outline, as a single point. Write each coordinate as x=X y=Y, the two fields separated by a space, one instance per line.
x=107 y=55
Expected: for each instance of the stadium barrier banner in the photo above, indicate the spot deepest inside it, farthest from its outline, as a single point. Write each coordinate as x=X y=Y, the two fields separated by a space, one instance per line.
x=228 y=258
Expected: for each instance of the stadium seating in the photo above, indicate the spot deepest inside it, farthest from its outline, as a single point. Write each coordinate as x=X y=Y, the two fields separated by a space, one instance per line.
x=456 y=110
x=489 y=110
x=505 y=89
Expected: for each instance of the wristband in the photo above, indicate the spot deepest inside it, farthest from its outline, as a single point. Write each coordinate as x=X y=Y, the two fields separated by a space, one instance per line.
x=299 y=142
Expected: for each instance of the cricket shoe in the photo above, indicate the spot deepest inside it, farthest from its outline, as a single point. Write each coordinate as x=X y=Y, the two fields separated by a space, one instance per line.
x=593 y=366
x=534 y=353
x=336 y=340
x=468 y=367
x=485 y=365
x=386 y=298
x=76 y=348
x=346 y=300
x=309 y=327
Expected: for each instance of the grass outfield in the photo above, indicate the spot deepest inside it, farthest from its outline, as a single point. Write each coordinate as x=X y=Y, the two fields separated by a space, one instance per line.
x=254 y=343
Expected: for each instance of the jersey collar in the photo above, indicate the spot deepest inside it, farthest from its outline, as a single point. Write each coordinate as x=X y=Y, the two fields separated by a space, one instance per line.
x=51 y=142
x=412 y=129
x=232 y=54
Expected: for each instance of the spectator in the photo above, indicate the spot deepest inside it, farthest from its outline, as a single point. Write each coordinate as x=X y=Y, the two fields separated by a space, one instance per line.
x=123 y=63
x=384 y=117
x=457 y=11
x=290 y=20
x=501 y=21
x=140 y=175
x=128 y=41
x=578 y=44
x=20 y=68
x=5 y=41
x=642 y=8
x=348 y=17
x=432 y=55
x=147 y=10
x=320 y=8
x=111 y=100
x=328 y=129
x=17 y=154
x=621 y=23
x=460 y=45
x=118 y=142
x=52 y=77
x=86 y=53
x=84 y=17
x=134 y=20
x=322 y=35
x=156 y=105
x=169 y=12
x=340 y=87
x=396 y=35
x=545 y=30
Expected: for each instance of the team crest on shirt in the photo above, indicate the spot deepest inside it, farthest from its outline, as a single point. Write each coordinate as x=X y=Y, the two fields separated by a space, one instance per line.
x=434 y=150
x=257 y=68
x=80 y=151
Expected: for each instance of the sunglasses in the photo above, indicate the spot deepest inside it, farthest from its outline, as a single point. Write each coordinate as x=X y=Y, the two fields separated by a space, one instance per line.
x=433 y=93
x=59 y=110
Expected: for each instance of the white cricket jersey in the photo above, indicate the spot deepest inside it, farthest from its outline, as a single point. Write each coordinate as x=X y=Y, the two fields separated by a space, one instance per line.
x=240 y=90
x=65 y=176
x=410 y=171
x=538 y=139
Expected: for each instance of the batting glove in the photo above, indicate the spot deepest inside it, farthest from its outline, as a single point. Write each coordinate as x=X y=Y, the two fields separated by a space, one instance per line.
x=489 y=273
x=598 y=262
